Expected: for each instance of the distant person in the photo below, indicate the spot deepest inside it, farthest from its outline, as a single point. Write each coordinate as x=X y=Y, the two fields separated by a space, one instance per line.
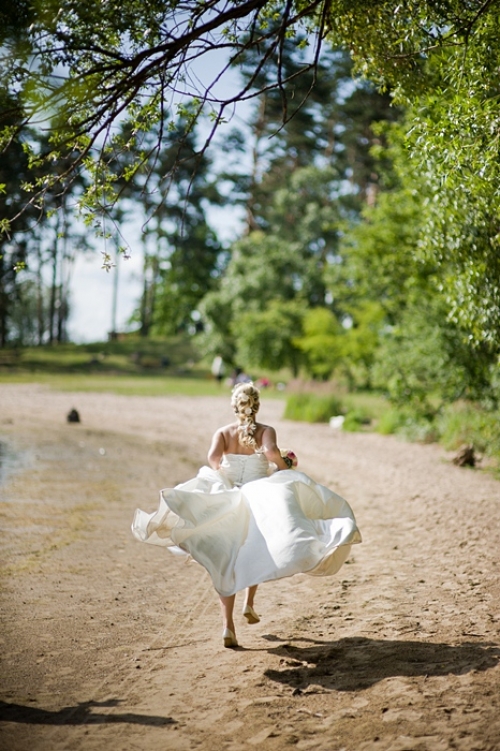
x=239 y=376
x=249 y=517
x=218 y=369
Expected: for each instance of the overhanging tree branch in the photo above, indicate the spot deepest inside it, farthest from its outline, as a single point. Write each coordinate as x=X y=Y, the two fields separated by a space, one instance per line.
x=80 y=75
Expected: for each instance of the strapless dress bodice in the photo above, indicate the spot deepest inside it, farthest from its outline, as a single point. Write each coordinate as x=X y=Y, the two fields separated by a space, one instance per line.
x=239 y=469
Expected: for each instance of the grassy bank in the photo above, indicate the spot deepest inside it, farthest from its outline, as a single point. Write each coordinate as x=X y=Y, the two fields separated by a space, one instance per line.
x=132 y=355
x=131 y=367
x=454 y=426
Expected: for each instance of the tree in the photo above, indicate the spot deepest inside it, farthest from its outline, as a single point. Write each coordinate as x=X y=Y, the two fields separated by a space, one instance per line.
x=126 y=59
x=170 y=191
x=423 y=357
x=14 y=170
x=306 y=179
x=93 y=65
x=329 y=125
x=321 y=342
x=29 y=312
x=99 y=64
x=262 y=269
x=284 y=264
x=267 y=338
x=425 y=361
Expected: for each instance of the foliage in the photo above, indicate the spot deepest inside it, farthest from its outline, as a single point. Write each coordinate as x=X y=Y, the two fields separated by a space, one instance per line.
x=378 y=258
x=308 y=407
x=454 y=143
x=302 y=216
x=307 y=177
x=420 y=354
x=410 y=424
x=356 y=420
x=392 y=421
x=131 y=47
x=456 y=425
x=321 y=342
x=361 y=341
x=92 y=66
x=263 y=269
x=33 y=307
x=14 y=171
x=170 y=185
x=406 y=297
x=466 y=423
x=25 y=316
x=122 y=63
x=266 y=338
x=425 y=362
x=318 y=119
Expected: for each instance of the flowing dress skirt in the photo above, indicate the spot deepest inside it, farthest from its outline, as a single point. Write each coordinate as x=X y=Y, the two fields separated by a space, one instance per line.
x=266 y=529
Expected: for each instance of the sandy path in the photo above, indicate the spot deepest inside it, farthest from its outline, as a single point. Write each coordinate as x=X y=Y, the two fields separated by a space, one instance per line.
x=109 y=644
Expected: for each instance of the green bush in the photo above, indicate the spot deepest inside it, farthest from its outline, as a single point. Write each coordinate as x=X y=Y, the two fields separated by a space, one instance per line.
x=457 y=424
x=392 y=421
x=306 y=407
x=409 y=424
x=464 y=423
x=356 y=420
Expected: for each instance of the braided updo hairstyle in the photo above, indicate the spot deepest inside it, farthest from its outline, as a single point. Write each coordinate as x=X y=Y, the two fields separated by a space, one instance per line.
x=245 y=401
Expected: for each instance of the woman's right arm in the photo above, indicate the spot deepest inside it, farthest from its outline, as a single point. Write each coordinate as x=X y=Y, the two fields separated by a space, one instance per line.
x=270 y=448
x=216 y=449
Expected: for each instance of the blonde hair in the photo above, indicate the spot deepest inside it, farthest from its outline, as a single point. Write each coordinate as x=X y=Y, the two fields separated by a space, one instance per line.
x=245 y=401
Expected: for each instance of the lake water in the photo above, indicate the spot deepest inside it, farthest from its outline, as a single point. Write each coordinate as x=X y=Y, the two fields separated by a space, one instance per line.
x=12 y=460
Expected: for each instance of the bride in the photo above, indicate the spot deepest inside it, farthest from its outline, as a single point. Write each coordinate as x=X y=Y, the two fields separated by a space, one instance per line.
x=249 y=517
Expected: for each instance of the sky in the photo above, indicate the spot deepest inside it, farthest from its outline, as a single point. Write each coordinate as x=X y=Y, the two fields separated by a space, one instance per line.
x=91 y=297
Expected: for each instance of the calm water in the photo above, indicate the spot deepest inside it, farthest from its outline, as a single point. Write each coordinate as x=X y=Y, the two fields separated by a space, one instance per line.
x=12 y=460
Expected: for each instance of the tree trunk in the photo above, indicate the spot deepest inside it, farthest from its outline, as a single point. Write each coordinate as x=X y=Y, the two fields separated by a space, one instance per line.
x=40 y=313
x=53 y=291
x=258 y=131
x=4 y=302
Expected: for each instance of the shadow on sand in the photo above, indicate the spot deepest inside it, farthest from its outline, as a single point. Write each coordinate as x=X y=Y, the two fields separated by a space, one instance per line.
x=353 y=664
x=81 y=714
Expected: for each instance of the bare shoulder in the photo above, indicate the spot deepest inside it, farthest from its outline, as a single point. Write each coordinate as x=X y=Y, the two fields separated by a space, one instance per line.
x=267 y=434
x=266 y=428
x=226 y=433
x=228 y=429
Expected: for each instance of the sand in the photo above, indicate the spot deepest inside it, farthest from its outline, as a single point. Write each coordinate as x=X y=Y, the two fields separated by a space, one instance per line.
x=110 y=644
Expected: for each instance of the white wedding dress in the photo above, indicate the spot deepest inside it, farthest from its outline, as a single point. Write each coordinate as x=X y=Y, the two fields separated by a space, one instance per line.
x=246 y=526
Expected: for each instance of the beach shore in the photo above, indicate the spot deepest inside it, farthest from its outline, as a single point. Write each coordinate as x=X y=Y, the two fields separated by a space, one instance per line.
x=111 y=645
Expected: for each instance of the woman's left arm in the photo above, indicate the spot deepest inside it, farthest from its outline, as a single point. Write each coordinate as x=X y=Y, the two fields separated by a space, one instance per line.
x=271 y=450
x=216 y=449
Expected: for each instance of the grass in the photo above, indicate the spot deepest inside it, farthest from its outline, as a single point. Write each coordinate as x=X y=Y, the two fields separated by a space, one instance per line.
x=132 y=355
x=369 y=403
x=128 y=385
x=130 y=367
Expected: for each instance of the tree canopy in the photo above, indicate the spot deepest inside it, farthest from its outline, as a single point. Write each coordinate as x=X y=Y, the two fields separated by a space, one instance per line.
x=84 y=73
x=86 y=66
